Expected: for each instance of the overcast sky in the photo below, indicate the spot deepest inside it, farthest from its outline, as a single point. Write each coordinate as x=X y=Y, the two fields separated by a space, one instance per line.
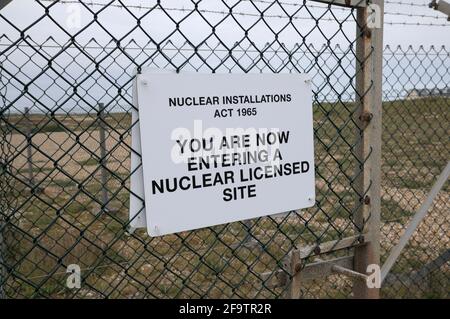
x=331 y=73
x=119 y=22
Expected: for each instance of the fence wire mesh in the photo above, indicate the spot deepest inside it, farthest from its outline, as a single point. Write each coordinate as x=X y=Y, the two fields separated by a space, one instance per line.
x=416 y=126
x=65 y=189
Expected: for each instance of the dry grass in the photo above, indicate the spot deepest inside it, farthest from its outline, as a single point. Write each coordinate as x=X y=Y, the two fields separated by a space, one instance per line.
x=64 y=223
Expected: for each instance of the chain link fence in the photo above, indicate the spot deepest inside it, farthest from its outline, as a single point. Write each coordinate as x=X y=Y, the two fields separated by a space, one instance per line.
x=416 y=126
x=66 y=145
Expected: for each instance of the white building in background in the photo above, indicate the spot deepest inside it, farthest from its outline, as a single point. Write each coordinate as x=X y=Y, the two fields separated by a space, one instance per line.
x=423 y=93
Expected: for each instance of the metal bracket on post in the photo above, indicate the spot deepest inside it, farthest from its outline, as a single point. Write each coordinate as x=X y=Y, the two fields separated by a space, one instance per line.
x=345 y=270
x=349 y=273
x=296 y=272
x=318 y=269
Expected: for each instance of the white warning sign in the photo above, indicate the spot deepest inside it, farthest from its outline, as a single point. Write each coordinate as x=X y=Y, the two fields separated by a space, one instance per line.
x=219 y=148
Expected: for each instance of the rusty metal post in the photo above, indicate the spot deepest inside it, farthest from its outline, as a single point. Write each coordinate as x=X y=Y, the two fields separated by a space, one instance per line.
x=295 y=267
x=369 y=55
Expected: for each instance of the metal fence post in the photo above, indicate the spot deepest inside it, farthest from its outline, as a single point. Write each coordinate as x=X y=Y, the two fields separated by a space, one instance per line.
x=2 y=262
x=376 y=140
x=28 y=132
x=369 y=54
x=104 y=173
x=4 y=193
x=295 y=267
